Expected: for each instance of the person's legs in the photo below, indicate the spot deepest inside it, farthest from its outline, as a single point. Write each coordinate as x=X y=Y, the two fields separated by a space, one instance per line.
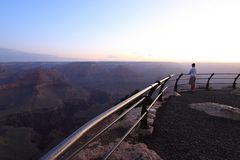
x=193 y=87
x=193 y=83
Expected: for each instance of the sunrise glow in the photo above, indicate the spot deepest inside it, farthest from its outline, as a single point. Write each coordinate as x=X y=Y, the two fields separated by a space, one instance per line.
x=144 y=30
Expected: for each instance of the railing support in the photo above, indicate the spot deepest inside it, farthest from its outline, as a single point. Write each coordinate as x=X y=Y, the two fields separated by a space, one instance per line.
x=162 y=86
x=146 y=102
x=62 y=150
x=176 y=83
x=235 y=80
x=208 y=82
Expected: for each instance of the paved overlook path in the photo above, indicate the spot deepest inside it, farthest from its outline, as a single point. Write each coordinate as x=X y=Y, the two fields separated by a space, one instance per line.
x=181 y=133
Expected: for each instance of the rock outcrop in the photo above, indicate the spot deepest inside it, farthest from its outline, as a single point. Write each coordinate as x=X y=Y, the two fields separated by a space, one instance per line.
x=218 y=110
x=126 y=151
x=44 y=104
x=131 y=148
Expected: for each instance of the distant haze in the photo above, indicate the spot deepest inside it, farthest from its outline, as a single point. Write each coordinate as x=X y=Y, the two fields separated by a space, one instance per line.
x=213 y=67
x=8 y=55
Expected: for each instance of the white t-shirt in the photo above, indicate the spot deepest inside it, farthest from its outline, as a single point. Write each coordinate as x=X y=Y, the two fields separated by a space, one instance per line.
x=193 y=72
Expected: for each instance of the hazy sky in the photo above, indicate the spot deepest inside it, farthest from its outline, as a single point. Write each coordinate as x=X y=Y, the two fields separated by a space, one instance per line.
x=154 y=30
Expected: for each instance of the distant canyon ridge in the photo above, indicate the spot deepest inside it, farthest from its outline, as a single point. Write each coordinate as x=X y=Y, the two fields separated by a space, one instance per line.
x=43 y=102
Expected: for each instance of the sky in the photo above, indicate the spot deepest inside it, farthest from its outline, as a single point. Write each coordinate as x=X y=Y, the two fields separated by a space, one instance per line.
x=124 y=30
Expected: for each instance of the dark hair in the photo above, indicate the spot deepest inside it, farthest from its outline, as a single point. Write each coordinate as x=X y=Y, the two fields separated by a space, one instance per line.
x=193 y=65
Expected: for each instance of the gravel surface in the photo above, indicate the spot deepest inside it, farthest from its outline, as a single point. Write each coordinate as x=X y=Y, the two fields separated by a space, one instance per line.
x=181 y=133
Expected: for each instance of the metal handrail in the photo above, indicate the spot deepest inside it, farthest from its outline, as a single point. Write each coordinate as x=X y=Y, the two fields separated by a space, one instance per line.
x=211 y=77
x=143 y=97
x=176 y=83
x=223 y=78
x=208 y=81
x=135 y=124
x=103 y=130
x=59 y=150
x=235 y=80
x=214 y=73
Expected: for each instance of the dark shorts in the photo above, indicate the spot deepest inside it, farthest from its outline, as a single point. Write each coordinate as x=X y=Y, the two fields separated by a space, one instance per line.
x=192 y=80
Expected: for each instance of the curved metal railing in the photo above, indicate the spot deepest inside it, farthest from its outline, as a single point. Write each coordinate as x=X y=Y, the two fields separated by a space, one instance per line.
x=65 y=149
x=209 y=78
x=62 y=150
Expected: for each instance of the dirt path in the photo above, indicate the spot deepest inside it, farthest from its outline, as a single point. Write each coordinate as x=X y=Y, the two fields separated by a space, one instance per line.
x=182 y=133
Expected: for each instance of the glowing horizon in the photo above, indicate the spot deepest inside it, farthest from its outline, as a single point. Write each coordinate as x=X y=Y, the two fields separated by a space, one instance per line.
x=137 y=30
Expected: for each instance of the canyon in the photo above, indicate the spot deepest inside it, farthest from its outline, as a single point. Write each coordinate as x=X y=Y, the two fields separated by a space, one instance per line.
x=42 y=103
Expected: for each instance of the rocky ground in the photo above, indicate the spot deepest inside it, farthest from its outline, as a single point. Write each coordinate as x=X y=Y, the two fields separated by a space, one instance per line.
x=130 y=149
x=181 y=132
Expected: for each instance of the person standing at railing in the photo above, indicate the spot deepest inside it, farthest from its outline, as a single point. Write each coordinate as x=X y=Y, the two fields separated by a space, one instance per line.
x=192 y=73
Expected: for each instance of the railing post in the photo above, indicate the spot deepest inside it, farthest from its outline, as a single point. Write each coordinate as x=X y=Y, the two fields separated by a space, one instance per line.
x=176 y=83
x=207 y=86
x=162 y=86
x=235 y=80
x=146 y=102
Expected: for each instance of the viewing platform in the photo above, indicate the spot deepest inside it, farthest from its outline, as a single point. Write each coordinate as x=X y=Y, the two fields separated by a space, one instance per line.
x=181 y=132
x=166 y=117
